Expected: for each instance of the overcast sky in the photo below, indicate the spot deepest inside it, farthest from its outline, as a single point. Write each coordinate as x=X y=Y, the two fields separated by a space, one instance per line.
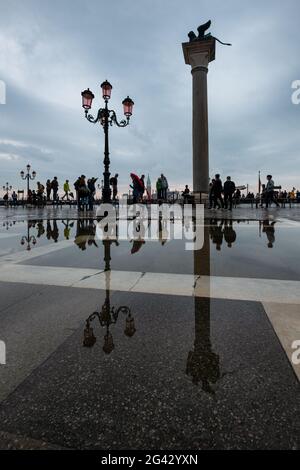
x=52 y=50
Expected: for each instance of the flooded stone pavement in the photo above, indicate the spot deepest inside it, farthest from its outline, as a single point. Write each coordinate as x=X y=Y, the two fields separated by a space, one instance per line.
x=196 y=352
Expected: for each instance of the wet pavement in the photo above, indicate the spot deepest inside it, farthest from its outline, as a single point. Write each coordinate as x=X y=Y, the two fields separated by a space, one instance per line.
x=189 y=349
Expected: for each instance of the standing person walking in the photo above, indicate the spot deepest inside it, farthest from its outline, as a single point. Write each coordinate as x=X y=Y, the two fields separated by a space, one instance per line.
x=237 y=197
x=211 y=194
x=164 y=186
x=40 y=192
x=217 y=190
x=14 y=198
x=83 y=193
x=48 y=189
x=114 y=183
x=186 y=194
x=229 y=189
x=158 y=188
x=76 y=187
x=66 y=189
x=54 y=187
x=270 y=192
x=142 y=188
x=92 y=191
x=135 y=187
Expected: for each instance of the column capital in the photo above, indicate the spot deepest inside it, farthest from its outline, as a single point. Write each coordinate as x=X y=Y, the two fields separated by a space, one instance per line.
x=199 y=53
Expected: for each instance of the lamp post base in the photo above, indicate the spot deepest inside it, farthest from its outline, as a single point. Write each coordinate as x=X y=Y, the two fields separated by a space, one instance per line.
x=106 y=195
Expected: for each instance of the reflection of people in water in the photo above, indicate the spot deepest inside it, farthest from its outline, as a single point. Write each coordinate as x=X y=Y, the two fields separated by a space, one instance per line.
x=52 y=233
x=49 y=230
x=229 y=233
x=163 y=234
x=85 y=233
x=217 y=232
x=139 y=240
x=68 y=225
x=40 y=228
x=269 y=230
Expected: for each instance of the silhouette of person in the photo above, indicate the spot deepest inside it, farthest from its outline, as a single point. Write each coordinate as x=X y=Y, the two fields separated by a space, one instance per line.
x=269 y=230
x=229 y=233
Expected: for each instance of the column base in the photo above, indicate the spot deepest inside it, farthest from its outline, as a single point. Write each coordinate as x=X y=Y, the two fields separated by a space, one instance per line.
x=200 y=197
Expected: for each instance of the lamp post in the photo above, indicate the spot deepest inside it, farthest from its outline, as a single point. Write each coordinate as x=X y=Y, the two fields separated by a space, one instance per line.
x=6 y=189
x=28 y=176
x=106 y=117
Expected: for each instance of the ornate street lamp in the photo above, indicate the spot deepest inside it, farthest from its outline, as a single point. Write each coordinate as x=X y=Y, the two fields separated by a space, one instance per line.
x=6 y=188
x=106 y=117
x=27 y=176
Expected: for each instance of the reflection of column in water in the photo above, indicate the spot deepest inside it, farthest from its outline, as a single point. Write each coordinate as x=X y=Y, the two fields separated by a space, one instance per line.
x=202 y=362
x=202 y=257
x=106 y=310
x=149 y=220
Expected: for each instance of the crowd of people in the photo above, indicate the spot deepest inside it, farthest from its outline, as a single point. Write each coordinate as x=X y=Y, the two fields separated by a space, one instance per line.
x=84 y=192
x=139 y=189
x=220 y=196
x=162 y=187
x=217 y=190
x=222 y=232
x=227 y=195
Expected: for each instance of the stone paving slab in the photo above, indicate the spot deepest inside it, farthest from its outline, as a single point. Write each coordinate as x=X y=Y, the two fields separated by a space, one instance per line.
x=34 y=321
x=15 y=442
x=199 y=373
x=196 y=375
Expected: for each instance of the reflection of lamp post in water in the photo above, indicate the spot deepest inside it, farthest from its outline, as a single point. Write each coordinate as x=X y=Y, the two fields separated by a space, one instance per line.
x=28 y=239
x=7 y=224
x=108 y=315
x=202 y=363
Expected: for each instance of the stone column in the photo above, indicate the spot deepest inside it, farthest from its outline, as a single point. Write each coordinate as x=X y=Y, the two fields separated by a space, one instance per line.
x=198 y=54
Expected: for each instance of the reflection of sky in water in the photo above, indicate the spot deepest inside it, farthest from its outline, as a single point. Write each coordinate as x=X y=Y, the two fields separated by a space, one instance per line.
x=248 y=249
